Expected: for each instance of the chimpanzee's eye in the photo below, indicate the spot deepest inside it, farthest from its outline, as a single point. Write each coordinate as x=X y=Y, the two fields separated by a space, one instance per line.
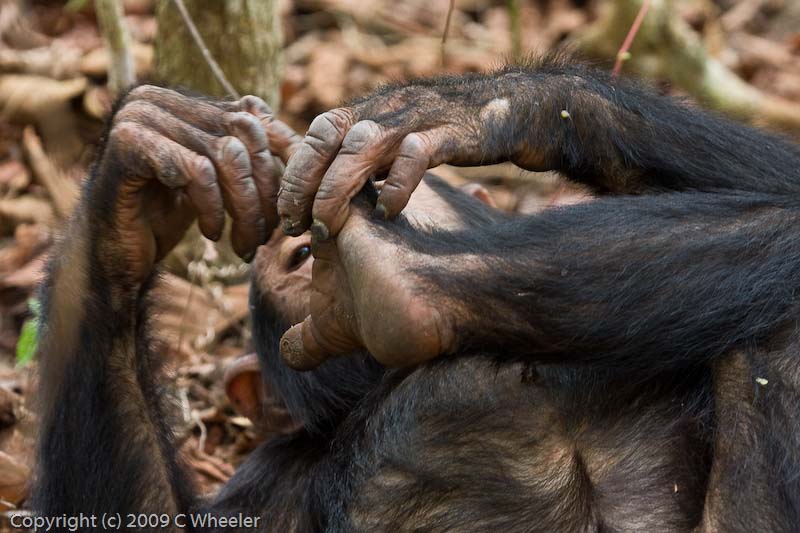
x=299 y=256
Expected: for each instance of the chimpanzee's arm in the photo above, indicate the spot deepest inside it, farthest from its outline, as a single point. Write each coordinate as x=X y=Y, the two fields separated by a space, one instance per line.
x=105 y=444
x=610 y=134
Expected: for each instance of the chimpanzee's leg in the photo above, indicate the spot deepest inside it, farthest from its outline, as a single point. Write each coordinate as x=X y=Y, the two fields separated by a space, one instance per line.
x=639 y=283
x=755 y=476
x=278 y=485
x=661 y=284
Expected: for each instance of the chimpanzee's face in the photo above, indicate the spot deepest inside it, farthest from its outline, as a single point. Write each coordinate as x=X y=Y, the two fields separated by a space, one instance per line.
x=282 y=266
x=283 y=271
x=282 y=274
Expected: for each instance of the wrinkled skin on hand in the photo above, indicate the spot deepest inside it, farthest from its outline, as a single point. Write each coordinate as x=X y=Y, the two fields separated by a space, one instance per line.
x=401 y=132
x=170 y=159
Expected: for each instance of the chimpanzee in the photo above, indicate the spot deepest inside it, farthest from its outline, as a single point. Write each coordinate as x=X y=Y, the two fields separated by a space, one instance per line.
x=628 y=364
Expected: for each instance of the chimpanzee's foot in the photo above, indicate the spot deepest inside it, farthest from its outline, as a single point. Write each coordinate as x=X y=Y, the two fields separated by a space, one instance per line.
x=365 y=294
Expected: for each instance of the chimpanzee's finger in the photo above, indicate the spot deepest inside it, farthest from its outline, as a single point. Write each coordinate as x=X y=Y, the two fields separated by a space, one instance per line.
x=307 y=166
x=199 y=113
x=300 y=349
x=283 y=140
x=176 y=166
x=232 y=164
x=250 y=131
x=206 y=197
x=413 y=158
x=362 y=153
x=240 y=194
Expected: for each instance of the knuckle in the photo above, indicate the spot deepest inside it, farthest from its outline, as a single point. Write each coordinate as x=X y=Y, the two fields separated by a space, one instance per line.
x=124 y=132
x=143 y=92
x=360 y=135
x=393 y=187
x=264 y=164
x=203 y=170
x=414 y=145
x=292 y=199
x=232 y=150
x=292 y=203
x=252 y=102
x=247 y=126
x=319 y=149
x=138 y=93
x=341 y=117
x=330 y=126
x=293 y=186
x=135 y=111
x=243 y=118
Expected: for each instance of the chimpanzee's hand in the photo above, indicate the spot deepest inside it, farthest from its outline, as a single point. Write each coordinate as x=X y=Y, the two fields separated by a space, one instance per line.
x=170 y=158
x=402 y=130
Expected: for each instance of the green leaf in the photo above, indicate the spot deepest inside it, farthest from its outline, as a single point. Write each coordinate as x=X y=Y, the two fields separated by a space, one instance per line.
x=35 y=307
x=26 y=345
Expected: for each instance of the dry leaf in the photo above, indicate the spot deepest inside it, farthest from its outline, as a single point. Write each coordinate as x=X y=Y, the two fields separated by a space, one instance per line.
x=327 y=74
x=14 y=477
x=14 y=177
x=24 y=210
x=190 y=319
x=95 y=63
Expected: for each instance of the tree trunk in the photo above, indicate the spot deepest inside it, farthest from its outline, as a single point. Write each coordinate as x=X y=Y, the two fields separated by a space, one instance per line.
x=243 y=36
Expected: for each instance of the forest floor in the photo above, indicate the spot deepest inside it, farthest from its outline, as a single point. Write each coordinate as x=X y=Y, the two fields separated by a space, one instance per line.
x=53 y=103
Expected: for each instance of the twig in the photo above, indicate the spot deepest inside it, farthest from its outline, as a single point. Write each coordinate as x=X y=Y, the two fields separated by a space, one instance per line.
x=201 y=442
x=121 y=73
x=626 y=44
x=621 y=56
x=515 y=27
x=682 y=58
x=63 y=191
x=447 y=26
x=185 y=314
x=198 y=40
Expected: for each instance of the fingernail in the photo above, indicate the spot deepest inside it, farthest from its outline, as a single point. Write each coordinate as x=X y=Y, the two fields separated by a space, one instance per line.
x=380 y=212
x=288 y=226
x=319 y=231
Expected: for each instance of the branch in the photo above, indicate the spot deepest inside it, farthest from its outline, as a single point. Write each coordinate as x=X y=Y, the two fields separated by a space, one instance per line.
x=667 y=47
x=120 y=70
x=515 y=28
x=623 y=53
x=63 y=191
x=447 y=27
x=198 y=40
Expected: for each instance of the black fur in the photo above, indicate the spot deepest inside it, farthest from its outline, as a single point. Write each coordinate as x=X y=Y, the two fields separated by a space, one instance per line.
x=318 y=399
x=629 y=364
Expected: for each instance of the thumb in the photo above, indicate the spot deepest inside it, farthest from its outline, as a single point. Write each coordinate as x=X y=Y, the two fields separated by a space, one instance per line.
x=300 y=349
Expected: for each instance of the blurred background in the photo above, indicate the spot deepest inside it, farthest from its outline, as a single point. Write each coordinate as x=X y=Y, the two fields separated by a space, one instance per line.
x=63 y=62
